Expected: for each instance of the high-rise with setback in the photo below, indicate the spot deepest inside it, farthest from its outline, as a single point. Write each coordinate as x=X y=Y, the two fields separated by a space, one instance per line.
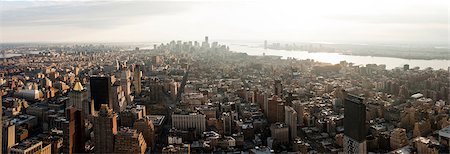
x=78 y=98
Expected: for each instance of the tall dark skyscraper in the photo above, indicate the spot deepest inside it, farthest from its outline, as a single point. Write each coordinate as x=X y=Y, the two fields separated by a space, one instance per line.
x=354 y=125
x=100 y=87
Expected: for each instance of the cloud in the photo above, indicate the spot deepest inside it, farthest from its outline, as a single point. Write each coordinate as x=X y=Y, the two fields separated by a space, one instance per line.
x=84 y=14
x=297 y=20
x=437 y=17
x=395 y=12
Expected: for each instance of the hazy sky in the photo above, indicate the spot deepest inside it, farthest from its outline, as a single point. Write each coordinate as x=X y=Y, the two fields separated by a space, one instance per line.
x=387 y=21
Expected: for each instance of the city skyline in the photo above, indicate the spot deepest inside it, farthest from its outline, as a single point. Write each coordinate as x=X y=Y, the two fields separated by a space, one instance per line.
x=218 y=76
x=142 y=21
x=201 y=97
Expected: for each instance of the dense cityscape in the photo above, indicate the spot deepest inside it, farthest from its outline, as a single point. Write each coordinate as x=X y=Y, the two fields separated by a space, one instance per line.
x=201 y=97
x=224 y=76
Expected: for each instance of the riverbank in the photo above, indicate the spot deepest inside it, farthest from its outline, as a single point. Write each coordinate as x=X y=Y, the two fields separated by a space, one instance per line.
x=335 y=58
x=437 y=57
x=396 y=51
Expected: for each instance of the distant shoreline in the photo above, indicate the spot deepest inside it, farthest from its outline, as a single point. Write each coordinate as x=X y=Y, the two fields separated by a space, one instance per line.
x=379 y=55
x=412 y=57
x=407 y=58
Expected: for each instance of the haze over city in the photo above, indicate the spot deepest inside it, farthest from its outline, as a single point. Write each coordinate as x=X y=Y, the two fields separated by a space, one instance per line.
x=347 y=21
x=217 y=76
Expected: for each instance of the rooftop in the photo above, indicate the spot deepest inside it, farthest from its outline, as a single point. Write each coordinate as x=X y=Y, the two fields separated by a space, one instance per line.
x=416 y=96
x=78 y=86
x=445 y=132
x=157 y=119
x=26 y=144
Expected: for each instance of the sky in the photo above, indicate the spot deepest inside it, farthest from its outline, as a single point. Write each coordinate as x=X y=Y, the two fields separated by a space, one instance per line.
x=343 y=21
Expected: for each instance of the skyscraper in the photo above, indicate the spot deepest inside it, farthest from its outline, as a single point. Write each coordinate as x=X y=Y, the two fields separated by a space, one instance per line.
x=299 y=107
x=278 y=88
x=73 y=130
x=137 y=79
x=354 y=125
x=126 y=83
x=291 y=121
x=79 y=98
x=156 y=89
x=227 y=119
x=405 y=67
x=119 y=102
x=275 y=109
x=105 y=127
x=9 y=139
x=100 y=89
x=205 y=44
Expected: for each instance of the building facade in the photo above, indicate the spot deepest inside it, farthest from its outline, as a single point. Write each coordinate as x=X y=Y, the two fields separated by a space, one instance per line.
x=398 y=138
x=187 y=121
x=129 y=141
x=280 y=133
x=275 y=109
x=100 y=91
x=31 y=146
x=137 y=73
x=105 y=127
x=146 y=127
x=78 y=98
x=291 y=121
x=8 y=137
x=354 y=125
x=73 y=131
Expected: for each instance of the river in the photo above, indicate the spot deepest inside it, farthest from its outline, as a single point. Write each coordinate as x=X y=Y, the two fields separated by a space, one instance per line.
x=9 y=55
x=335 y=58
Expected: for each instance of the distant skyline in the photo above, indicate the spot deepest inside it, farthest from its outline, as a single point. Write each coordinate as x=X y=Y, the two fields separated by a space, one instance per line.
x=403 y=21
